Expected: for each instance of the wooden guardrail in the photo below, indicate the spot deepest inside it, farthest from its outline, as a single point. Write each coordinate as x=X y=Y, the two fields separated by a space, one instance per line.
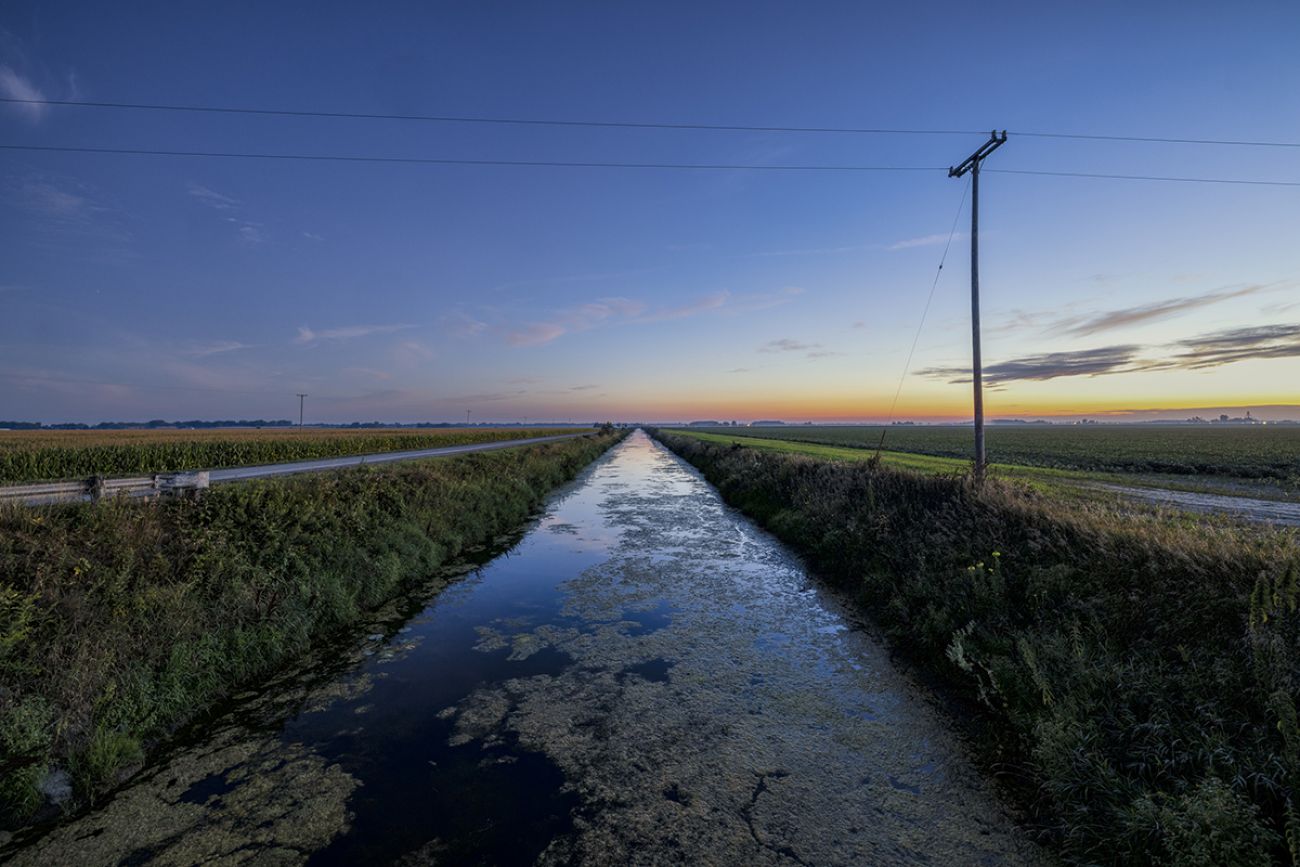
x=98 y=487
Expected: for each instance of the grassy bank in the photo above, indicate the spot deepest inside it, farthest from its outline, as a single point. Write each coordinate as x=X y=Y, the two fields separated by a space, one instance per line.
x=119 y=621
x=1138 y=676
x=68 y=454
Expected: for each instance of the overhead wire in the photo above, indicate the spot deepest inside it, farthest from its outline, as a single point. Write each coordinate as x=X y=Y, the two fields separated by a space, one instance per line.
x=1158 y=139
x=925 y=312
x=38 y=377
x=598 y=164
x=618 y=124
x=1170 y=178
x=584 y=164
x=472 y=119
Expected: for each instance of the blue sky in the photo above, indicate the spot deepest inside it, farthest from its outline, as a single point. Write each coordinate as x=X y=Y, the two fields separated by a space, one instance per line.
x=137 y=287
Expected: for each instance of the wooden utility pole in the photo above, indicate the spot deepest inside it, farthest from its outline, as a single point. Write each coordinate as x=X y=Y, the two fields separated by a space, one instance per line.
x=972 y=165
x=301 y=397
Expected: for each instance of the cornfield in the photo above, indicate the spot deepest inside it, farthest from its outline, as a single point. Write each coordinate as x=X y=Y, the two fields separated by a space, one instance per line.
x=27 y=456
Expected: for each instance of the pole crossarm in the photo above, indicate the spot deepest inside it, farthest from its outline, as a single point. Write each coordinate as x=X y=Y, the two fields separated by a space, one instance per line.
x=995 y=141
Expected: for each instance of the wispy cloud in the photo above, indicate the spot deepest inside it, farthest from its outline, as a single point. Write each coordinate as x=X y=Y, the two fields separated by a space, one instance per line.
x=348 y=332
x=627 y=311
x=312 y=236
x=67 y=214
x=1239 y=344
x=536 y=334
x=1144 y=313
x=1213 y=349
x=583 y=387
x=1050 y=365
x=15 y=86
x=216 y=347
x=584 y=317
x=212 y=198
x=924 y=241
x=370 y=373
x=412 y=352
x=461 y=324
x=785 y=344
x=713 y=301
x=755 y=301
x=249 y=233
x=813 y=251
x=1281 y=307
x=50 y=200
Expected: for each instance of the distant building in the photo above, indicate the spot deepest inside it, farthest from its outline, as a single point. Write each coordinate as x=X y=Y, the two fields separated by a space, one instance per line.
x=1247 y=419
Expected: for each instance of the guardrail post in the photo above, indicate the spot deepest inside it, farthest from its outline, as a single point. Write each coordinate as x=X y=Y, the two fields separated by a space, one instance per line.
x=96 y=488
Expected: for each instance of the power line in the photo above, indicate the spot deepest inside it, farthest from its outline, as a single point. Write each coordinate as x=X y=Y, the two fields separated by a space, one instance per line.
x=1181 y=180
x=925 y=312
x=24 y=377
x=347 y=158
x=517 y=121
x=611 y=124
x=1159 y=139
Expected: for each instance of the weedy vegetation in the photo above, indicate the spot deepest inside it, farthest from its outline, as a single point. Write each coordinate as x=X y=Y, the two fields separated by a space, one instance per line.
x=121 y=620
x=27 y=456
x=1136 y=674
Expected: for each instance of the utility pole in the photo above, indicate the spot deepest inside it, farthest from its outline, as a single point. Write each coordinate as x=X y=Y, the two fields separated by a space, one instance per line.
x=301 y=397
x=972 y=165
x=467 y=418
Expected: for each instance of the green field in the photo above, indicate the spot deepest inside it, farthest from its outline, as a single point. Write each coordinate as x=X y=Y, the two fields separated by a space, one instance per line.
x=29 y=456
x=1262 y=453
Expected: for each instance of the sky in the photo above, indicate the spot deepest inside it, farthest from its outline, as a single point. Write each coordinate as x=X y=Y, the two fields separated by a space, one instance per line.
x=144 y=286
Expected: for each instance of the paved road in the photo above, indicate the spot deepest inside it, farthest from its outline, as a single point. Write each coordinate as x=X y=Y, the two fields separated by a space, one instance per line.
x=234 y=474
x=14 y=493
x=1241 y=508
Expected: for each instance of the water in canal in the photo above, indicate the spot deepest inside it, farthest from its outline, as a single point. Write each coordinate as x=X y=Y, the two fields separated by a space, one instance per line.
x=643 y=678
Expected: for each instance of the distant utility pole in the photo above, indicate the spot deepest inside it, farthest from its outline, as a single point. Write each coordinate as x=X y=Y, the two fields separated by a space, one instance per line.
x=467 y=418
x=972 y=165
x=301 y=397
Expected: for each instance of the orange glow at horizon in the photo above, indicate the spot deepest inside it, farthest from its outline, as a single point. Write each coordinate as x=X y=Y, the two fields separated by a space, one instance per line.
x=951 y=405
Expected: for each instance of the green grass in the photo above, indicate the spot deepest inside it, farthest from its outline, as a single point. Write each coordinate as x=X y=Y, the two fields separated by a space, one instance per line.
x=119 y=621
x=1136 y=678
x=1269 y=454
x=51 y=455
x=1063 y=482
x=1043 y=478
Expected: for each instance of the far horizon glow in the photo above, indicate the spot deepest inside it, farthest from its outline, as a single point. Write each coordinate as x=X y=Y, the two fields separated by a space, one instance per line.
x=139 y=287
